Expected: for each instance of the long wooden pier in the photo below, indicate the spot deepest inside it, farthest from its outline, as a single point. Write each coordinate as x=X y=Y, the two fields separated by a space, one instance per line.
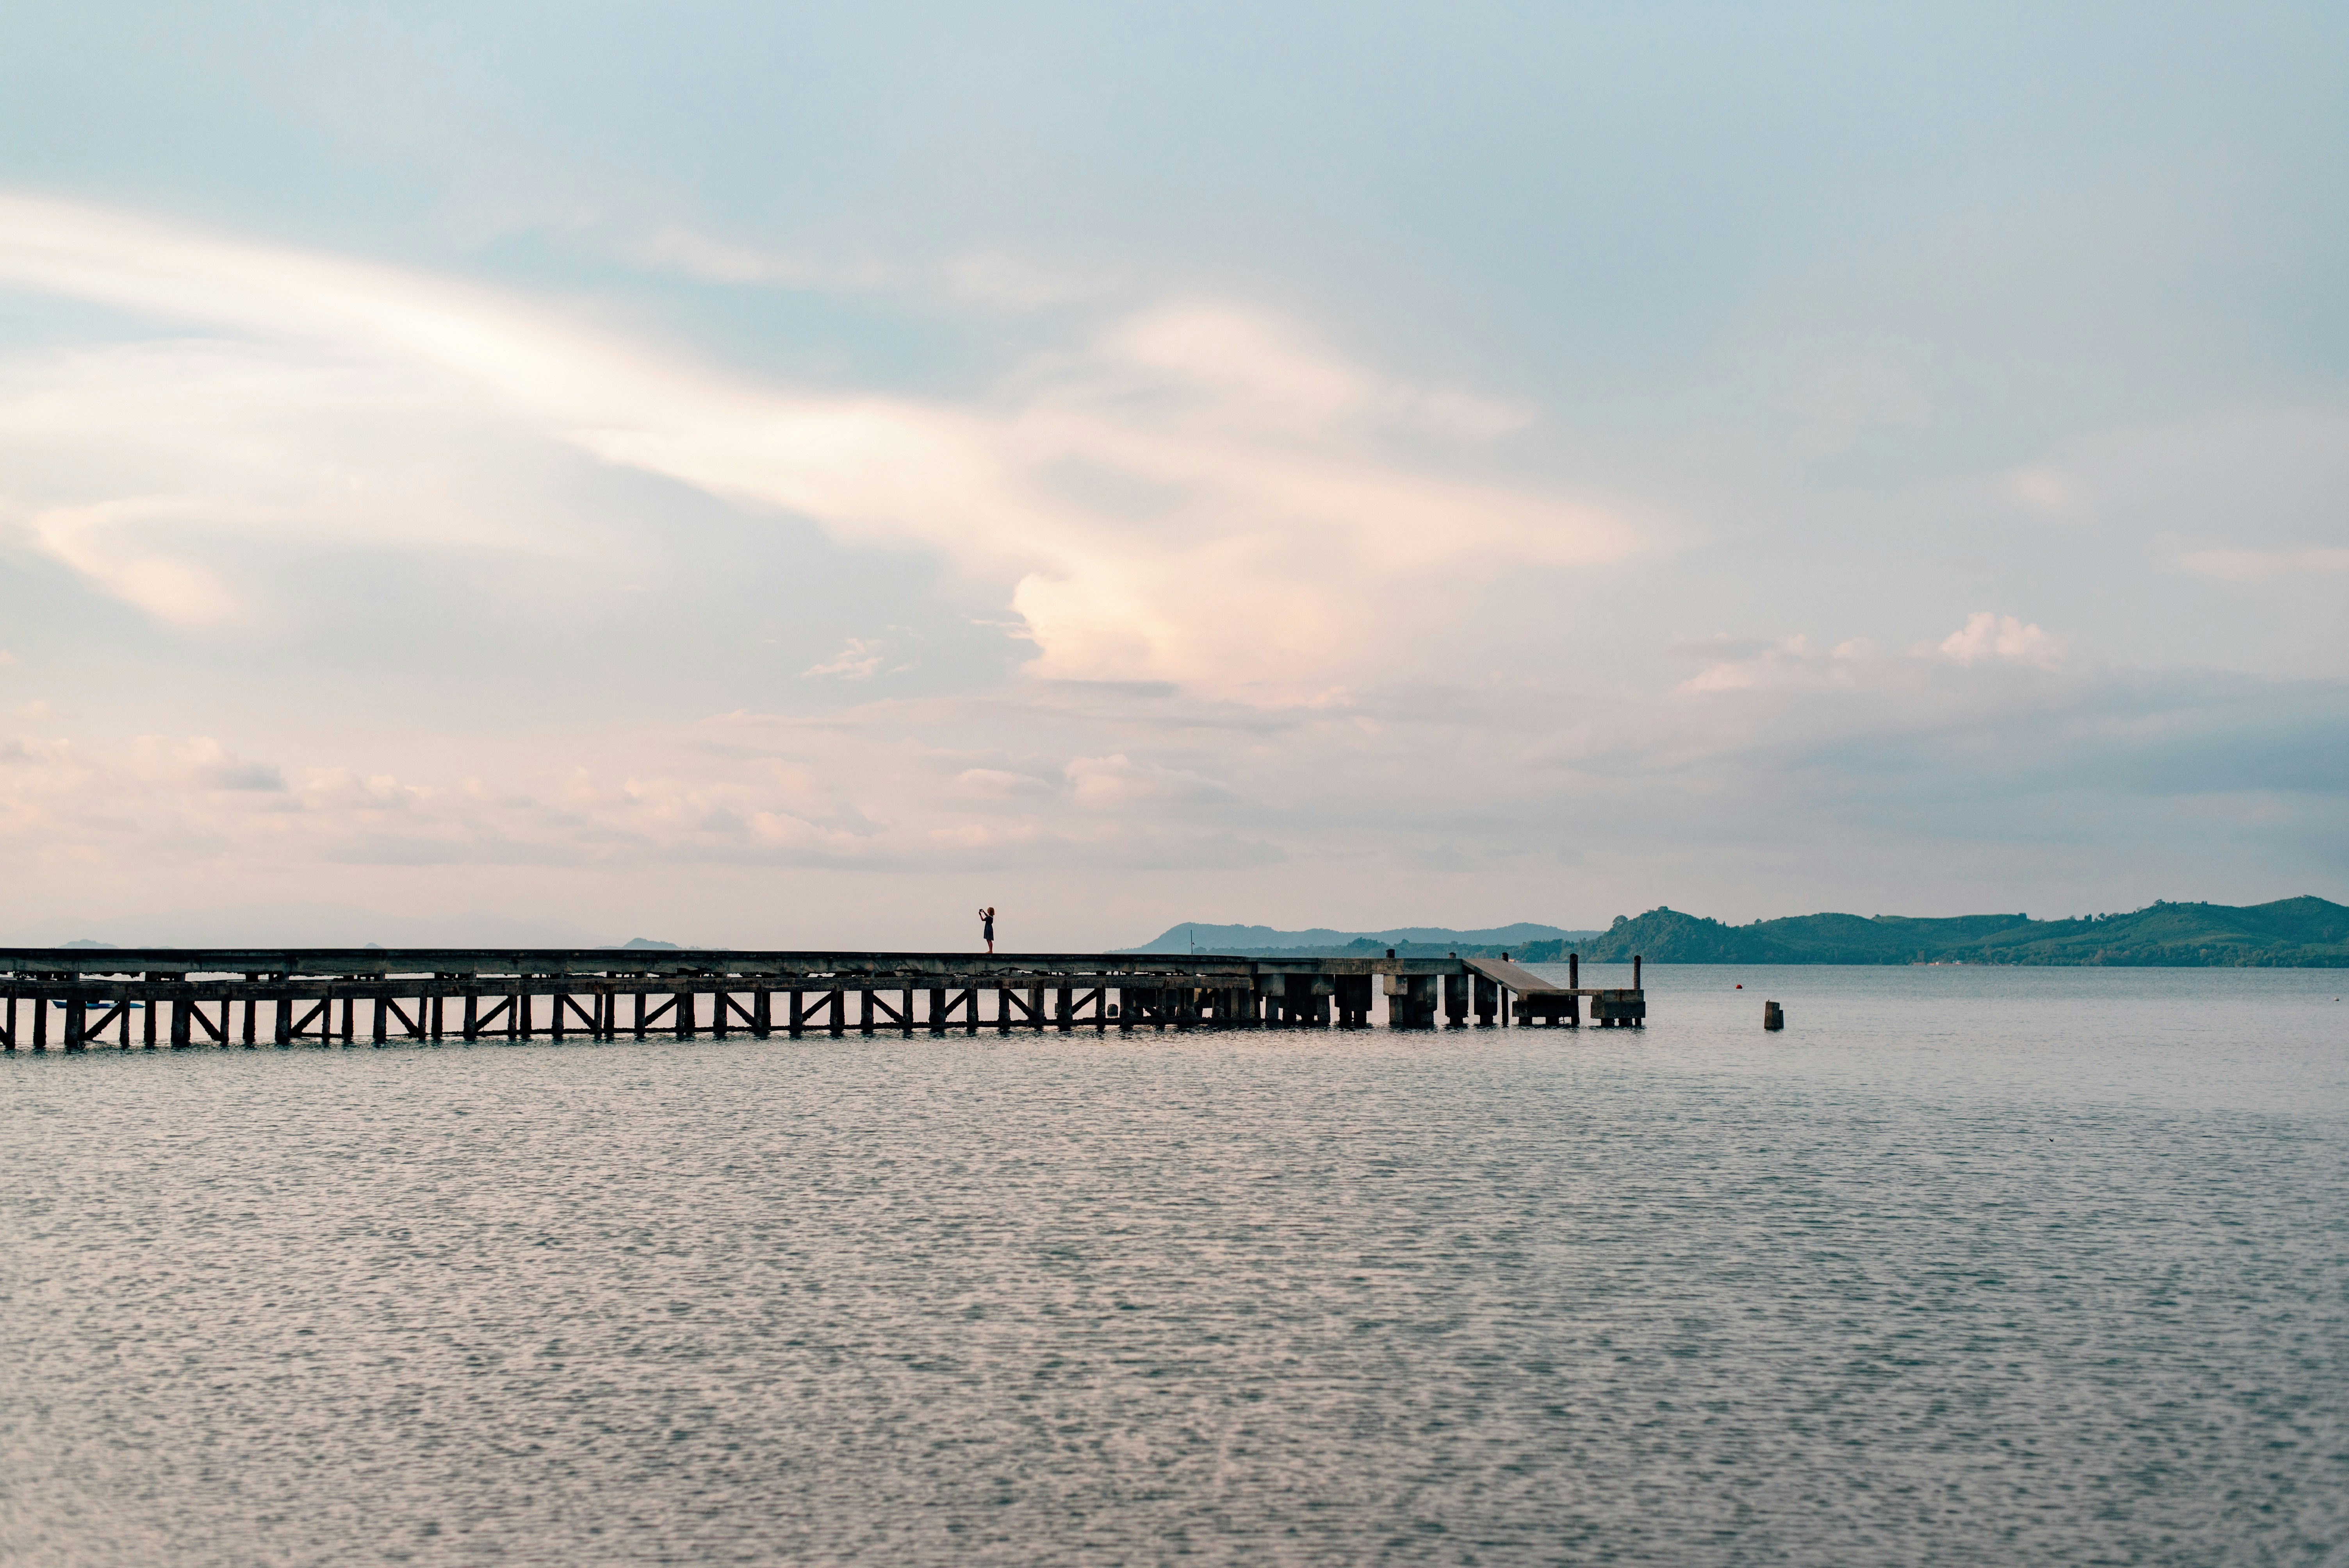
x=78 y=997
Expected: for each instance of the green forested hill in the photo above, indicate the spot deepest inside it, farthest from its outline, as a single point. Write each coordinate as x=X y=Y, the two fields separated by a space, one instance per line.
x=2292 y=932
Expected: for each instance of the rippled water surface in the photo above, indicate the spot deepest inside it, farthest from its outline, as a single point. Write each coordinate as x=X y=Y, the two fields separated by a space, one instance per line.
x=1964 y=1267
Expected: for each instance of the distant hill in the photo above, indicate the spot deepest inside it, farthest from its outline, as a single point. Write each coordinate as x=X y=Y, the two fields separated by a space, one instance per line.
x=1410 y=941
x=2293 y=932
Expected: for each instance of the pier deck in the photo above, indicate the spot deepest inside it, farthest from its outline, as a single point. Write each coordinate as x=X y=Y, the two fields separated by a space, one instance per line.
x=185 y=998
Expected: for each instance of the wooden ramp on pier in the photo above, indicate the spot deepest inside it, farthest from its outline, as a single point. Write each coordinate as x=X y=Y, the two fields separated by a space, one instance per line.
x=1514 y=977
x=1537 y=1000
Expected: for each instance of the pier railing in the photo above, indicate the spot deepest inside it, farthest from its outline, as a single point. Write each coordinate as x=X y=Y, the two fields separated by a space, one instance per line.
x=247 y=996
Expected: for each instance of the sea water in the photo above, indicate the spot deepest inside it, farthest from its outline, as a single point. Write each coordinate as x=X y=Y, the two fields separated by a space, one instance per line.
x=1964 y=1266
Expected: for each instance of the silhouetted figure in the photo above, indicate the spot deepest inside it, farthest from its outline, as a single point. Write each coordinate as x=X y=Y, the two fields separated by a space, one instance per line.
x=986 y=926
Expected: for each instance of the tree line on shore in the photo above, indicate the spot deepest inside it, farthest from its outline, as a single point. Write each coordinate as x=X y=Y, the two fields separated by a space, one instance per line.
x=2293 y=932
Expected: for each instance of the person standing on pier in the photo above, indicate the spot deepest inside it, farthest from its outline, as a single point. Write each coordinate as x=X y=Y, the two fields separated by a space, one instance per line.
x=986 y=926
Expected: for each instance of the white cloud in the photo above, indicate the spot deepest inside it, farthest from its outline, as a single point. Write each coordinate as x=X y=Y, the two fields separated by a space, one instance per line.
x=692 y=255
x=858 y=659
x=1987 y=637
x=113 y=545
x=1202 y=495
x=1789 y=664
x=2260 y=565
x=991 y=278
x=1796 y=664
x=1248 y=369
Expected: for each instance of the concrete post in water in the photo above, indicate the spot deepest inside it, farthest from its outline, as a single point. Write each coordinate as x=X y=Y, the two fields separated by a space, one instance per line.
x=1574 y=971
x=1635 y=971
x=1773 y=1016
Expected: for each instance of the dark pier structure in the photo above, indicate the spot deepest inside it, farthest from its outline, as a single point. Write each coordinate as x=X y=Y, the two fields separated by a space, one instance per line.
x=76 y=997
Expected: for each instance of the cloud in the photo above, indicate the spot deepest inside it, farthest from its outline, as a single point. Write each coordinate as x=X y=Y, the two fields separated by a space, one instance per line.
x=2260 y=565
x=1988 y=638
x=990 y=278
x=1201 y=494
x=869 y=793
x=1106 y=782
x=692 y=255
x=114 y=546
x=1796 y=662
x=181 y=476
x=1249 y=369
x=1793 y=786
x=995 y=784
x=1790 y=663
x=205 y=763
x=858 y=659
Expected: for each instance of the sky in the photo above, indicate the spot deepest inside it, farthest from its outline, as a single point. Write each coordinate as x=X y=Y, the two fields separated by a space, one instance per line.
x=787 y=476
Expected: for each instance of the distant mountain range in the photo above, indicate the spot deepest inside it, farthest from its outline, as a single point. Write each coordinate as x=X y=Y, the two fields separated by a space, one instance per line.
x=1320 y=941
x=2291 y=932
